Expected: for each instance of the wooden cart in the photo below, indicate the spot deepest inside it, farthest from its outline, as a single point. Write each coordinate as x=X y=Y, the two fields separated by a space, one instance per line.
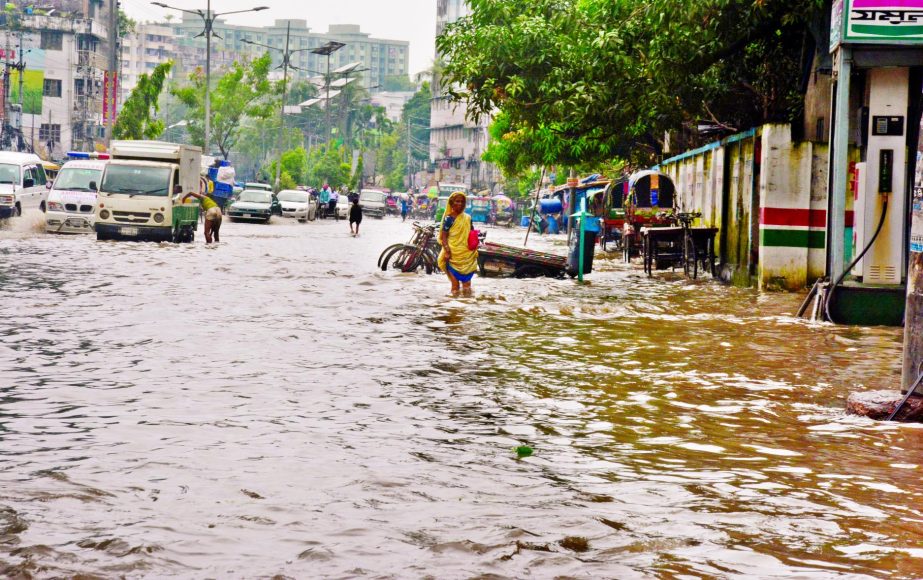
x=498 y=260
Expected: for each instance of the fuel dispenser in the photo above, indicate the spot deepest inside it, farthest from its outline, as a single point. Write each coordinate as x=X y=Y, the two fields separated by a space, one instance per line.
x=881 y=197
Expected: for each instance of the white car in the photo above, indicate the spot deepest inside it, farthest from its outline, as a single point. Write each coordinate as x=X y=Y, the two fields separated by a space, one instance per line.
x=343 y=207
x=22 y=183
x=297 y=204
x=71 y=203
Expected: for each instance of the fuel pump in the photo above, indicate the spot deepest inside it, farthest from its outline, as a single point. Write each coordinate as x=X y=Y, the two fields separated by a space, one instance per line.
x=881 y=197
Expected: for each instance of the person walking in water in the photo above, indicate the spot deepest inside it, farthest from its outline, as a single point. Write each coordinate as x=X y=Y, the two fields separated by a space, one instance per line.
x=323 y=199
x=404 y=208
x=355 y=217
x=212 y=216
x=456 y=259
x=332 y=204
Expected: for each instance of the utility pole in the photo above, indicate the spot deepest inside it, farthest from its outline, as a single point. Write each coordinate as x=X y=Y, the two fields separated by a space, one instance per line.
x=113 y=64
x=208 y=18
x=285 y=58
x=409 y=174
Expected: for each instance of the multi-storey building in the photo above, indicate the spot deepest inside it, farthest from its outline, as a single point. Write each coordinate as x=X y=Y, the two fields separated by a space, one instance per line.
x=378 y=58
x=58 y=105
x=149 y=45
x=457 y=143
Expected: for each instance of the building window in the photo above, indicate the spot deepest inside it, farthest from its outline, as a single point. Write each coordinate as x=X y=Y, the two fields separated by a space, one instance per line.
x=51 y=88
x=49 y=133
x=52 y=40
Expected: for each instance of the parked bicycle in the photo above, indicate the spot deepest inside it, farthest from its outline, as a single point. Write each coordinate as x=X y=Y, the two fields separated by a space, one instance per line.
x=421 y=251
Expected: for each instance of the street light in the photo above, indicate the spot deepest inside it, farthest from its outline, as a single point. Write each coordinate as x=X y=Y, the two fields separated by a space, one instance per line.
x=326 y=50
x=208 y=18
x=286 y=63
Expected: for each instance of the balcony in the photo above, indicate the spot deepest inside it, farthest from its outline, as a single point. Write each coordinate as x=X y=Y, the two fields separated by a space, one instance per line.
x=70 y=25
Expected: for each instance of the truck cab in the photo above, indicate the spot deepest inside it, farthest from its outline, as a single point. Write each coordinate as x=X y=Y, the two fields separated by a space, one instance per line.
x=143 y=193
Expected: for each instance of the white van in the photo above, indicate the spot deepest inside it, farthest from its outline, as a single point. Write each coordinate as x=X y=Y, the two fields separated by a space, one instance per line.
x=374 y=202
x=23 y=183
x=71 y=202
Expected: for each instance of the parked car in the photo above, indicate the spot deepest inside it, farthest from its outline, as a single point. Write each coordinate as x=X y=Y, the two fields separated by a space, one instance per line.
x=297 y=204
x=23 y=183
x=259 y=186
x=374 y=202
x=343 y=207
x=71 y=203
x=255 y=205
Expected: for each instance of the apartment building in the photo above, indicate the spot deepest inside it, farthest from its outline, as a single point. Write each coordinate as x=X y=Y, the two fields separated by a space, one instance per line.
x=58 y=104
x=378 y=58
x=149 y=45
x=456 y=143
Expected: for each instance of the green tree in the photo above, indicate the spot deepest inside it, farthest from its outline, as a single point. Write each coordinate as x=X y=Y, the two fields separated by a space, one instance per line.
x=416 y=113
x=135 y=119
x=243 y=92
x=355 y=180
x=327 y=164
x=126 y=25
x=587 y=80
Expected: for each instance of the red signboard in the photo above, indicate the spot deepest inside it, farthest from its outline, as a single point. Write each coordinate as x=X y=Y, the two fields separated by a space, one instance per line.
x=106 y=98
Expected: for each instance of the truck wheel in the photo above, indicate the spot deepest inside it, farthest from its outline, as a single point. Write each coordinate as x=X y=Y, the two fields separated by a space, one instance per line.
x=42 y=207
x=17 y=210
x=101 y=237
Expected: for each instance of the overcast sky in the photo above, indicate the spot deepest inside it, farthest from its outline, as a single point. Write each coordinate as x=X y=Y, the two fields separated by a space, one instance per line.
x=411 y=20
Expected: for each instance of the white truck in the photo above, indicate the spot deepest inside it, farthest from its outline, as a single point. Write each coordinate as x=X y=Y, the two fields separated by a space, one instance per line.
x=143 y=192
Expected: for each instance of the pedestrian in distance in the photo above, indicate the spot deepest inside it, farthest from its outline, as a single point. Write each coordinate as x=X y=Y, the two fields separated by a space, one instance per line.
x=212 y=212
x=324 y=199
x=332 y=204
x=404 y=205
x=355 y=217
x=456 y=259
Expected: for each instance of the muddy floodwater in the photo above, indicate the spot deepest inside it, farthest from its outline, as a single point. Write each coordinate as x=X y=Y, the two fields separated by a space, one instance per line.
x=275 y=405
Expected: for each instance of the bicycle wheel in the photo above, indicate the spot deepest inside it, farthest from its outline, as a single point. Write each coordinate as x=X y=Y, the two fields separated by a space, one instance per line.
x=690 y=260
x=413 y=260
x=382 y=262
x=387 y=259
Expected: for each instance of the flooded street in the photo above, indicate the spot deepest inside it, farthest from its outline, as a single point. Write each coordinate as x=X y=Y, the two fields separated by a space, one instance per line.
x=274 y=405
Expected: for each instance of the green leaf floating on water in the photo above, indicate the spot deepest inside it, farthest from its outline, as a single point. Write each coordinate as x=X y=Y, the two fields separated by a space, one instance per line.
x=523 y=451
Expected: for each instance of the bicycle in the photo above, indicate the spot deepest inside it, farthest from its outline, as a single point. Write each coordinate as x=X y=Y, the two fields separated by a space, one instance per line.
x=422 y=250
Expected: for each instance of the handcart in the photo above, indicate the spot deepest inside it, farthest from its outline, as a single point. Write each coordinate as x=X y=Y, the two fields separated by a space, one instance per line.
x=499 y=260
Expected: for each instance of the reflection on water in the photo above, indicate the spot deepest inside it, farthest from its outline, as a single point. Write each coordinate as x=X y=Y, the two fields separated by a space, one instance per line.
x=275 y=405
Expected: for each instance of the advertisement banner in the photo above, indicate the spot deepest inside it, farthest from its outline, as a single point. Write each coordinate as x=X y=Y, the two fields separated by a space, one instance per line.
x=106 y=98
x=883 y=22
x=33 y=82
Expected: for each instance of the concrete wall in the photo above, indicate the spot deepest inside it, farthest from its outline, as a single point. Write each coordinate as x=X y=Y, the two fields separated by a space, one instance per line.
x=768 y=197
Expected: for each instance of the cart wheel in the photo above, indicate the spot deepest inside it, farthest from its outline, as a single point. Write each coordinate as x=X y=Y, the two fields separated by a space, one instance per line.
x=690 y=260
x=529 y=271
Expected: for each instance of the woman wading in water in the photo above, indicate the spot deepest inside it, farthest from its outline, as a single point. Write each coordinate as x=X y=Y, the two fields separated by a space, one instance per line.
x=456 y=260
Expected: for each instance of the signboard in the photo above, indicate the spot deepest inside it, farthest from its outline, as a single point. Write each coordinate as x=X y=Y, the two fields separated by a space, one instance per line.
x=836 y=24
x=878 y=22
x=33 y=82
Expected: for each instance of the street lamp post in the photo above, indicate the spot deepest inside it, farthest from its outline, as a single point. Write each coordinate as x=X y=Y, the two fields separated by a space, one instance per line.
x=326 y=50
x=208 y=18
x=286 y=64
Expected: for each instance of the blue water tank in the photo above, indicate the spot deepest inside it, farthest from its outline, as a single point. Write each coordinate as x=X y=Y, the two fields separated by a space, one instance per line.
x=552 y=205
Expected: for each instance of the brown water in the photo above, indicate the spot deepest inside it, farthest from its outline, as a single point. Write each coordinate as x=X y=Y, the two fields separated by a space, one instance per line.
x=276 y=406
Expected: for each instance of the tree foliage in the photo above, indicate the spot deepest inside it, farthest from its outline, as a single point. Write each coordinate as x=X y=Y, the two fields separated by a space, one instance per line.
x=135 y=119
x=583 y=80
x=243 y=92
x=327 y=163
